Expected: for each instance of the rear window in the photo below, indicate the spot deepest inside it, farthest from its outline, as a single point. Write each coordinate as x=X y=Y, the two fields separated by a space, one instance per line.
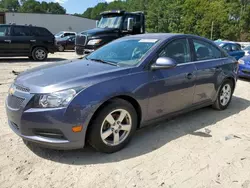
x=21 y=31
x=42 y=32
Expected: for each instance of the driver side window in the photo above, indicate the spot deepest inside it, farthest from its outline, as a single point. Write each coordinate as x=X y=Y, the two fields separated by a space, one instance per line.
x=177 y=50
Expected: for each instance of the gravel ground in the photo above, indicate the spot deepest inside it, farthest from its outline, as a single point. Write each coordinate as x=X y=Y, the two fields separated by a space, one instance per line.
x=175 y=153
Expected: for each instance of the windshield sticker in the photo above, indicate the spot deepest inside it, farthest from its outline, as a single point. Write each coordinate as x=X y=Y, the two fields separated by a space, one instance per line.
x=148 y=40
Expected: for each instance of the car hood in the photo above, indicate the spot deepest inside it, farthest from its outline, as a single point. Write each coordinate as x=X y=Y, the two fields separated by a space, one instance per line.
x=67 y=74
x=99 y=31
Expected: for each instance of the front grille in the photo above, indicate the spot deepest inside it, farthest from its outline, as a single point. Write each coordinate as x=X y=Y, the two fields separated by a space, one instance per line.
x=14 y=102
x=81 y=40
x=20 y=88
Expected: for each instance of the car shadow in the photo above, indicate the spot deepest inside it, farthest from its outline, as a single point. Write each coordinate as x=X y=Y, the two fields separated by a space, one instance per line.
x=244 y=79
x=27 y=60
x=149 y=138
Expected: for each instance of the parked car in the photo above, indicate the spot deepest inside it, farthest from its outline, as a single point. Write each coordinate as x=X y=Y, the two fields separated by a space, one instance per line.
x=232 y=48
x=244 y=67
x=126 y=84
x=66 y=43
x=20 y=40
x=63 y=34
x=247 y=50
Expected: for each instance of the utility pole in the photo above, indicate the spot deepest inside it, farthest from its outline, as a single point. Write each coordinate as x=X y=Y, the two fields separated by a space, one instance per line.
x=212 y=29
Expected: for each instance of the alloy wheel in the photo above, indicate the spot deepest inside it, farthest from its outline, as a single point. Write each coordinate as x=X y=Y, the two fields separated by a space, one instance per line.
x=225 y=95
x=116 y=127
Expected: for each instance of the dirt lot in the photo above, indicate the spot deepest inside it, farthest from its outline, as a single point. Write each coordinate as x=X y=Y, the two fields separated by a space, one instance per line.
x=177 y=153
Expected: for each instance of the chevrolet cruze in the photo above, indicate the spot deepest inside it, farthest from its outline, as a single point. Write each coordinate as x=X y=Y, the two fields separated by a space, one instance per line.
x=127 y=84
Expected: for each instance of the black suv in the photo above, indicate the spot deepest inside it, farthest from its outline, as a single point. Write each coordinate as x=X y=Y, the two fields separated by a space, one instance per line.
x=31 y=41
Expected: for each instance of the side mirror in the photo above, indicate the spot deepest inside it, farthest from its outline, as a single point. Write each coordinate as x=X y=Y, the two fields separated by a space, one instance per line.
x=164 y=63
x=130 y=25
x=97 y=23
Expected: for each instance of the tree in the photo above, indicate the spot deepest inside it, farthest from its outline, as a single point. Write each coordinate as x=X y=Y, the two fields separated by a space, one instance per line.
x=9 y=5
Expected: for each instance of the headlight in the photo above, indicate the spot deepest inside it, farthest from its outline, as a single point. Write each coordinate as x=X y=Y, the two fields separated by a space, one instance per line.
x=241 y=62
x=57 y=99
x=94 y=41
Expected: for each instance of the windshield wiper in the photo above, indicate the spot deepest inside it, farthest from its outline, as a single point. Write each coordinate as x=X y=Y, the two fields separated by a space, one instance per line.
x=102 y=61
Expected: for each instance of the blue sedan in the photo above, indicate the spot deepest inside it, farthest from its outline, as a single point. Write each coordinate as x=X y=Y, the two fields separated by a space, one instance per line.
x=232 y=48
x=127 y=84
x=244 y=67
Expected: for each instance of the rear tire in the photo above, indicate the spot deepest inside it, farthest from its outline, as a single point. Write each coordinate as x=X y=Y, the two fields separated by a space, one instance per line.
x=113 y=126
x=61 y=48
x=224 y=96
x=39 y=54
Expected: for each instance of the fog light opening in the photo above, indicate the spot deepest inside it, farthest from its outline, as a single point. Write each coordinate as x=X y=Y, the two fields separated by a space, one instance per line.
x=77 y=129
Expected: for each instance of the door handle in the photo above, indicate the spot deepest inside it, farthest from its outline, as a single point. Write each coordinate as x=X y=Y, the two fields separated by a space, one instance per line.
x=32 y=40
x=9 y=41
x=189 y=76
x=217 y=68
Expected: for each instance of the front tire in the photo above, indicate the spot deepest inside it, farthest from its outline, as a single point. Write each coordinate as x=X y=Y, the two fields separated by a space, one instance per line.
x=113 y=126
x=224 y=96
x=39 y=54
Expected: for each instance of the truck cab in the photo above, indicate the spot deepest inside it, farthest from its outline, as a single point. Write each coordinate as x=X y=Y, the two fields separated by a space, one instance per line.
x=112 y=25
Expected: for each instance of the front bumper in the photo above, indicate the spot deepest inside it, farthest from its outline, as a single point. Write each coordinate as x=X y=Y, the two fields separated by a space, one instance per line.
x=51 y=128
x=82 y=50
x=244 y=71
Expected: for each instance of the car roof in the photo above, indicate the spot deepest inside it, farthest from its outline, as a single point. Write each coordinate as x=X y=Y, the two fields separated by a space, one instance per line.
x=163 y=36
x=226 y=42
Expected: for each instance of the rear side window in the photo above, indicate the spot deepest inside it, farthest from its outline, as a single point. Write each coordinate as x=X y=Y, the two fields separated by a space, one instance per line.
x=41 y=32
x=235 y=47
x=177 y=50
x=205 y=50
x=4 y=31
x=21 y=31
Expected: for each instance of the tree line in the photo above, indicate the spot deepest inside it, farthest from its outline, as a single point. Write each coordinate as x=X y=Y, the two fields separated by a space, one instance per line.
x=31 y=6
x=216 y=19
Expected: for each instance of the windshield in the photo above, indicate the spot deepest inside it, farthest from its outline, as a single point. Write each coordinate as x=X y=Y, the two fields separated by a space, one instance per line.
x=110 y=21
x=124 y=52
x=59 y=34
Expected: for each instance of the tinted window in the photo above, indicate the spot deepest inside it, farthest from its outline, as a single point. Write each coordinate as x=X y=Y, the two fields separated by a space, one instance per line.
x=20 y=31
x=39 y=31
x=227 y=47
x=4 y=31
x=205 y=51
x=235 y=47
x=177 y=50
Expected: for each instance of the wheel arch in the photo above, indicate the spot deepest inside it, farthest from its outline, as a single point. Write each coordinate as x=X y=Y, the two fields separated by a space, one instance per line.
x=127 y=98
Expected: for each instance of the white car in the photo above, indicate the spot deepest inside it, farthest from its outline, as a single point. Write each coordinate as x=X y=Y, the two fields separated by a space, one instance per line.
x=63 y=34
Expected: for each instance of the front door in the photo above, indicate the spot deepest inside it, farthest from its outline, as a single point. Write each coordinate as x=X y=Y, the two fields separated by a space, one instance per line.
x=172 y=90
x=209 y=62
x=4 y=40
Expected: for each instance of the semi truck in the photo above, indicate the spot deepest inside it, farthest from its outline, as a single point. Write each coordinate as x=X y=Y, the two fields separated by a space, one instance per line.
x=112 y=25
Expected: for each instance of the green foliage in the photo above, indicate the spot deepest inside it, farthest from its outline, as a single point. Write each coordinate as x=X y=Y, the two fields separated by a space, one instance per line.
x=230 y=18
x=31 y=6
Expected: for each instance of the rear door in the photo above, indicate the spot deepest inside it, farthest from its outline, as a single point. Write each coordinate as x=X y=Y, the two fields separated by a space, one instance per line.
x=208 y=62
x=43 y=37
x=4 y=40
x=21 y=40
